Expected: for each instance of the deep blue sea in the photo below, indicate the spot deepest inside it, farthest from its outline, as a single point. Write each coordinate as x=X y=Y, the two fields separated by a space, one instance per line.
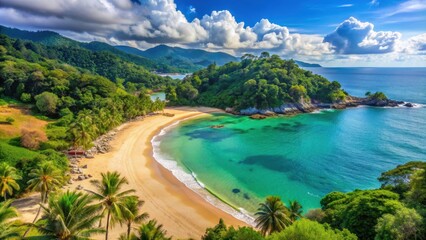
x=306 y=156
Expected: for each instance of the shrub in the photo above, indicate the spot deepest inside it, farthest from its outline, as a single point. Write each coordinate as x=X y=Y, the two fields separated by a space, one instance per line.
x=10 y=120
x=25 y=97
x=47 y=102
x=31 y=139
x=310 y=230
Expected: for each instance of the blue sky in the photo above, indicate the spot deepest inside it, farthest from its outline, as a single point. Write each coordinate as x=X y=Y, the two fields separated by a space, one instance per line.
x=313 y=17
x=373 y=33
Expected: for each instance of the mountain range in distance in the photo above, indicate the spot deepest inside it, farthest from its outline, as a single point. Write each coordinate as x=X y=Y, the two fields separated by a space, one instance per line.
x=161 y=58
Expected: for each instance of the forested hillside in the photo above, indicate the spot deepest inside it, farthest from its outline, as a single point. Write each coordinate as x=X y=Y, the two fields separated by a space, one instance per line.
x=79 y=105
x=60 y=43
x=262 y=82
x=191 y=59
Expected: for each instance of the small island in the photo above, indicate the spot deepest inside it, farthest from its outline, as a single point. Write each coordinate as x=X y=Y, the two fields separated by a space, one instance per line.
x=265 y=86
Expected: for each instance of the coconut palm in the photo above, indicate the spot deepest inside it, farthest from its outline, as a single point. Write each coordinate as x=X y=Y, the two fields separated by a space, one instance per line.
x=44 y=179
x=70 y=215
x=150 y=231
x=272 y=216
x=295 y=210
x=8 y=227
x=131 y=213
x=8 y=178
x=83 y=131
x=108 y=192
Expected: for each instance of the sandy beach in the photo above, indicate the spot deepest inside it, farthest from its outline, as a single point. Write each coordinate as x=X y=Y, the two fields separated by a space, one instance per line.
x=183 y=213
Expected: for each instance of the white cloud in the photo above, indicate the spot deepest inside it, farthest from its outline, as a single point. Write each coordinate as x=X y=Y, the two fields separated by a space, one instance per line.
x=415 y=45
x=374 y=2
x=407 y=7
x=151 y=22
x=345 y=5
x=355 y=37
x=192 y=9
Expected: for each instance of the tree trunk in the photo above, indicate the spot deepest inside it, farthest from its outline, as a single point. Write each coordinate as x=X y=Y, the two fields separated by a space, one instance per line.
x=107 y=224
x=35 y=219
x=129 y=226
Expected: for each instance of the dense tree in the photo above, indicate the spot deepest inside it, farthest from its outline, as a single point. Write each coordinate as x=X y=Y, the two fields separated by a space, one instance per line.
x=83 y=130
x=272 y=216
x=311 y=230
x=70 y=215
x=405 y=224
x=264 y=83
x=398 y=179
x=112 y=199
x=9 y=228
x=47 y=102
x=8 y=180
x=222 y=232
x=360 y=210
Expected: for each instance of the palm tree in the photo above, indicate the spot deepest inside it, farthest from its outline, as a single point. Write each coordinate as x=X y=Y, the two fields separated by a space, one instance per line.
x=44 y=179
x=8 y=178
x=150 y=231
x=131 y=213
x=83 y=131
x=8 y=227
x=70 y=215
x=272 y=216
x=110 y=197
x=295 y=210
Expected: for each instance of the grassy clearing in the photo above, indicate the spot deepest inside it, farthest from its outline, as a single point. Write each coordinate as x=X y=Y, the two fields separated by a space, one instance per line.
x=22 y=119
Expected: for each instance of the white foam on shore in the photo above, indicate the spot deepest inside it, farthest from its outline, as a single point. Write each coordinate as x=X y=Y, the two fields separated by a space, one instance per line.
x=190 y=179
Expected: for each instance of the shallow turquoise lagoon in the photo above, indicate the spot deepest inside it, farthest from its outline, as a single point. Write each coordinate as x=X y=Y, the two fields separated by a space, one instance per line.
x=307 y=156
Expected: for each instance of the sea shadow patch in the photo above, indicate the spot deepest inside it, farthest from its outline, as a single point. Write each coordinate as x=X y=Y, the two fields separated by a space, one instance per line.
x=240 y=131
x=276 y=163
x=209 y=134
x=287 y=127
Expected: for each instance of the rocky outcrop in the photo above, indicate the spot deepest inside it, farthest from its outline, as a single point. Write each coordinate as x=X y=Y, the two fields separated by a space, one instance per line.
x=102 y=143
x=296 y=108
x=258 y=116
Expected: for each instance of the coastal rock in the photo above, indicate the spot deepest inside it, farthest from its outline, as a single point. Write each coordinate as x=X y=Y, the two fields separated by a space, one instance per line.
x=257 y=116
x=269 y=113
x=236 y=190
x=410 y=105
x=307 y=107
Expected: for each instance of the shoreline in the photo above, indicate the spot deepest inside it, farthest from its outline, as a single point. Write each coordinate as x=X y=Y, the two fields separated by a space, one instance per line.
x=183 y=213
x=190 y=179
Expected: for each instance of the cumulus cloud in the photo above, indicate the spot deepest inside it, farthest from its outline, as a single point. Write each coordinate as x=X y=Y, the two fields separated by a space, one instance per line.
x=149 y=22
x=355 y=37
x=146 y=23
x=416 y=45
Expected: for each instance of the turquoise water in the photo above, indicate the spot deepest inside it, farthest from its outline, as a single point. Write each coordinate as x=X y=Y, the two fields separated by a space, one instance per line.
x=159 y=95
x=305 y=157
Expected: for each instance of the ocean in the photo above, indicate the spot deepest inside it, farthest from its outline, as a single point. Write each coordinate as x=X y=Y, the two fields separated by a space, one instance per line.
x=302 y=157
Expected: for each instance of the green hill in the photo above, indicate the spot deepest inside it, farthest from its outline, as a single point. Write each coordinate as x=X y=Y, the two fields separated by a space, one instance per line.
x=266 y=82
x=305 y=64
x=180 y=57
x=53 y=39
x=48 y=38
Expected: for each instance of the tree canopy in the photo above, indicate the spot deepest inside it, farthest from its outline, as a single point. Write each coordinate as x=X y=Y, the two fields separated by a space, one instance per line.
x=264 y=82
